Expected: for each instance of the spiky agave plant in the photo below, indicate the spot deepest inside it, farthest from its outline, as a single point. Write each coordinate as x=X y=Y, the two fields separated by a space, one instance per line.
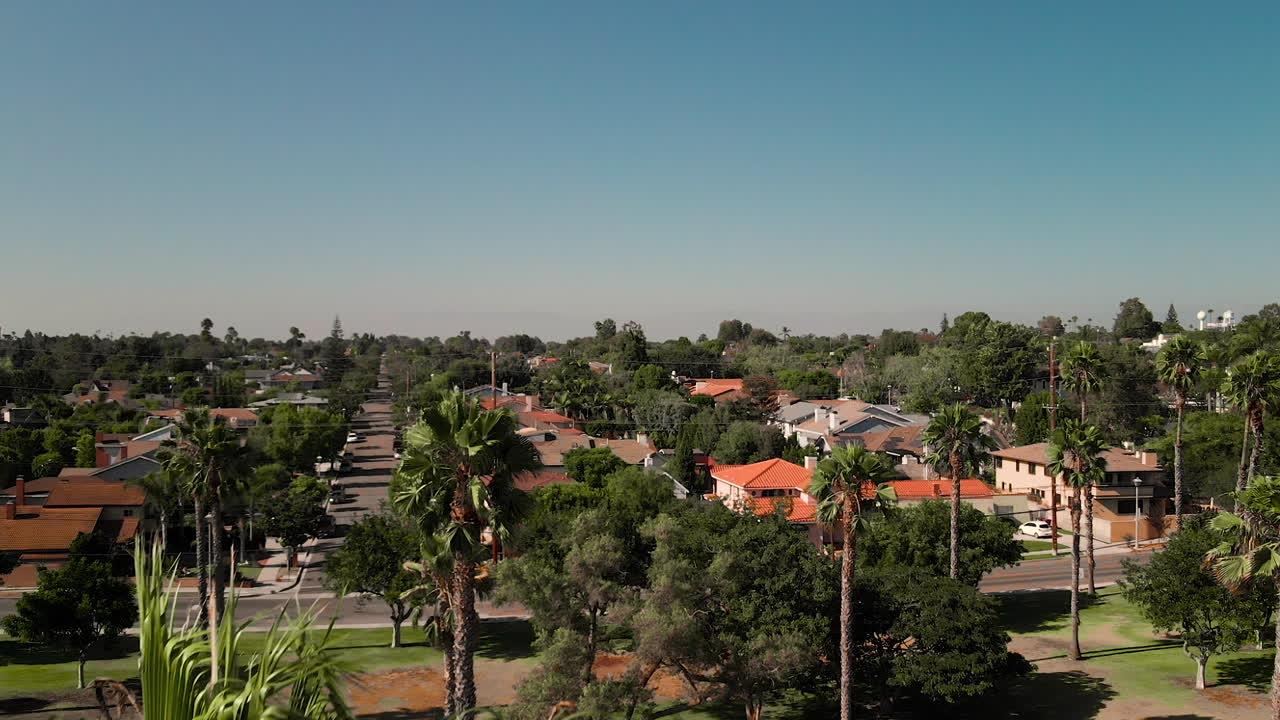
x=295 y=675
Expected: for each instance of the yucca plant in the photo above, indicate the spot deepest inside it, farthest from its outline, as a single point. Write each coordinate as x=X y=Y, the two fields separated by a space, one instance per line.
x=295 y=675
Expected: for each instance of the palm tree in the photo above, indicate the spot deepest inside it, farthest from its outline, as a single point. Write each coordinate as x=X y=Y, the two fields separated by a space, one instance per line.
x=1253 y=385
x=958 y=447
x=1082 y=374
x=1075 y=453
x=211 y=456
x=850 y=476
x=1251 y=551
x=296 y=674
x=1179 y=365
x=457 y=477
x=164 y=496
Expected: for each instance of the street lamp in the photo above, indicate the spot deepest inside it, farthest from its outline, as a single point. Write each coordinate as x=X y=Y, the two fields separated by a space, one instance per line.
x=1137 y=483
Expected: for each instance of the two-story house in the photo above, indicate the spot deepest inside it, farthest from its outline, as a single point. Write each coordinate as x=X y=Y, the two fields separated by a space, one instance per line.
x=1132 y=489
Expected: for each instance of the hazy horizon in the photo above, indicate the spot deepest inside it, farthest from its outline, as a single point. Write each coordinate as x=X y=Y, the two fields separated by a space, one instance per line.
x=423 y=169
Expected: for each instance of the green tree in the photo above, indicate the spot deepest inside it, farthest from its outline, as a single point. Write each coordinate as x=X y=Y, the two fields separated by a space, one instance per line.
x=86 y=450
x=371 y=562
x=47 y=464
x=1178 y=366
x=958 y=447
x=917 y=536
x=748 y=442
x=1031 y=422
x=294 y=516
x=850 y=476
x=1082 y=367
x=164 y=491
x=75 y=606
x=209 y=454
x=591 y=466
x=606 y=329
x=1253 y=386
x=1075 y=453
x=682 y=467
x=1178 y=593
x=1134 y=321
x=735 y=601
x=458 y=476
x=1171 y=324
x=296 y=437
x=651 y=377
x=1250 y=552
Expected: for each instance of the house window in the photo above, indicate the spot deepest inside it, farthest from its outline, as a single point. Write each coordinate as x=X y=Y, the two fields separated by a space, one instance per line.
x=1031 y=468
x=999 y=462
x=128 y=513
x=1124 y=507
x=1046 y=471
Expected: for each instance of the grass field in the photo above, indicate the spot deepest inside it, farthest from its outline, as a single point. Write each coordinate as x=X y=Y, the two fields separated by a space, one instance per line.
x=1036 y=545
x=1128 y=672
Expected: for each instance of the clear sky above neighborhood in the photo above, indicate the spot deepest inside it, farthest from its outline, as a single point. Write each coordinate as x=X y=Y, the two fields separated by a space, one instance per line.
x=428 y=167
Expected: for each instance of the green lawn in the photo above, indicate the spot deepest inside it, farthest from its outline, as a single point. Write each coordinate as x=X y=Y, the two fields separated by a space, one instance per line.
x=1037 y=545
x=26 y=669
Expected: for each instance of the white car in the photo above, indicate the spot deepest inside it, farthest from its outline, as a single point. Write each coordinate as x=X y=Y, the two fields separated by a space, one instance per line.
x=353 y=438
x=1036 y=529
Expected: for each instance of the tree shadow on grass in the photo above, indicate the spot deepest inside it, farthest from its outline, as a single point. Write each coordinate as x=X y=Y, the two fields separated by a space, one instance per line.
x=16 y=652
x=505 y=640
x=1038 y=610
x=1070 y=695
x=1253 y=673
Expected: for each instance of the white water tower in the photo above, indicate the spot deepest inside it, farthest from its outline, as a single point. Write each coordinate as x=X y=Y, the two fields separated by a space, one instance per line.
x=1201 y=316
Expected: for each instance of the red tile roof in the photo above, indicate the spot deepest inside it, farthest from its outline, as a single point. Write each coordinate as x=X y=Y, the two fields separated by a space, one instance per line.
x=926 y=489
x=765 y=475
x=714 y=387
x=801 y=511
x=532 y=481
x=42 y=528
x=104 y=494
x=900 y=439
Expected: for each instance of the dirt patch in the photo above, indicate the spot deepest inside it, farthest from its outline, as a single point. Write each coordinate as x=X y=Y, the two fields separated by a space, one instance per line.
x=418 y=692
x=665 y=685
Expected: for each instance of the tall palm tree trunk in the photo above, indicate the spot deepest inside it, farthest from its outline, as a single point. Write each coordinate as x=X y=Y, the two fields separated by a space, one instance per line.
x=202 y=562
x=1053 y=511
x=464 y=628
x=1088 y=534
x=1242 y=475
x=1177 y=462
x=1075 y=653
x=1275 y=667
x=215 y=551
x=956 y=471
x=847 y=569
x=1255 y=455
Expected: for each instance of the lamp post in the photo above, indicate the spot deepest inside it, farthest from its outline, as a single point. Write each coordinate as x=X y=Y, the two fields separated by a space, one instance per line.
x=1137 y=483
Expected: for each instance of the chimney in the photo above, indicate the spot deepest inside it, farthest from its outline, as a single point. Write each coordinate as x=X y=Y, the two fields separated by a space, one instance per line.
x=810 y=463
x=1150 y=458
x=833 y=419
x=937 y=489
x=504 y=387
x=8 y=510
x=528 y=403
x=642 y=438
x=21 y=496
x=819 y=414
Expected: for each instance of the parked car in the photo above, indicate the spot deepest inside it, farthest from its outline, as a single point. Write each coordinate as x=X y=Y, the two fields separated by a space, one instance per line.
x=1036 y=529
x=353 y=437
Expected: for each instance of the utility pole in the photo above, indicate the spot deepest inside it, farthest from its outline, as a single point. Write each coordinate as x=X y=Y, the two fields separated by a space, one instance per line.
x=1053 y=423
x=493 y=393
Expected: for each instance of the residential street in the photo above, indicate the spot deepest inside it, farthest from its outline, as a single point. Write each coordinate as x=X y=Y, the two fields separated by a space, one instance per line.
x=1055 y=573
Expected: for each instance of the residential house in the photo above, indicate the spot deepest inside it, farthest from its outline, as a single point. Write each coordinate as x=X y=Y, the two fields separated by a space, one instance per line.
x=973 y=491
x=236 y=418
x=764 y=486
x=292 y=398
x=41 y=535
x=553 y=445
x=90 y=392
x=600 y=368
x=718 y=389
x=1133 y=488
x=840 y=422
x=13 y=416
x=290 y=375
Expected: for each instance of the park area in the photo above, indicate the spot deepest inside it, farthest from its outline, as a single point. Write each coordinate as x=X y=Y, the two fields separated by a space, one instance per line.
x=1129 y=674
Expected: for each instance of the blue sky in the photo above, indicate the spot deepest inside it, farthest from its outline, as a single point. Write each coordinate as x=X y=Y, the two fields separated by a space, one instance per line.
x=424 y=168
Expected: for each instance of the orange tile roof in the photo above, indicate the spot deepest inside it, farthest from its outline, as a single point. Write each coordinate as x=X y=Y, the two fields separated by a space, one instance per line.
x=801 y=511
x=39 y=528
x=765 y=475
x=716 y=386
x=104 y=494
x=918 y=489
x=128 y=529
x=905 y=439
